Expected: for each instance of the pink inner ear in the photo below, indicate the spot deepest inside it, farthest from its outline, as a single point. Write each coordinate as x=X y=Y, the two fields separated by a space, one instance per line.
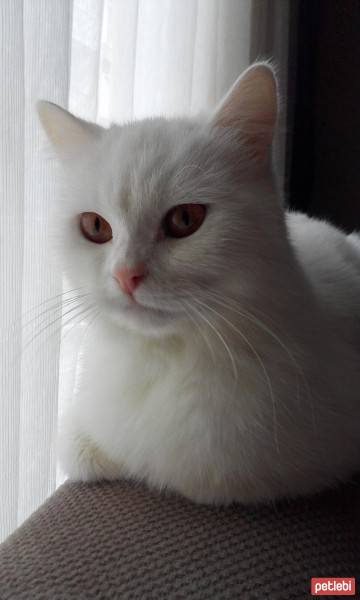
x=130 y=278
x=251 y=106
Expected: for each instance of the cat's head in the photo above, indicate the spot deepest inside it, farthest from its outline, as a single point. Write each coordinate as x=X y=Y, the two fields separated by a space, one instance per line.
x=158 y=216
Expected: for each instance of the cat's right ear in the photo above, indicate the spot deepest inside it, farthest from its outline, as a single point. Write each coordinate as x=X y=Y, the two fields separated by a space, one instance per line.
x=250 y=109
x=68 y=134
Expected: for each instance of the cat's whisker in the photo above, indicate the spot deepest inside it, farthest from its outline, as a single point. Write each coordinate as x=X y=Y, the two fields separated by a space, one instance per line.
x=234 y=304
x=81 y=315
x=84 y=313
x=297 y=367
x=204 y=337
x=48 y=325
x=260 y=361
x=51 y=298
x=259 y=323
x=43 y=316
x=24 y=344
x=221 y=338
x=98 y=312
x=58 y=299
x=59 y=306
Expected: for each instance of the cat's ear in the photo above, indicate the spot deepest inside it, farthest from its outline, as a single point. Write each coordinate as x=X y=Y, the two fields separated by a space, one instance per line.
x=67 y=133
x=250 y=108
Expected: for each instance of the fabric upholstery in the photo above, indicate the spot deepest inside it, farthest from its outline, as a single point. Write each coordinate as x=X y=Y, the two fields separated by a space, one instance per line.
x=121 y=540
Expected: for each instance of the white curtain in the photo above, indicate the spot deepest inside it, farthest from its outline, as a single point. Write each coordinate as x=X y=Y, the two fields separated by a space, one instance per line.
x=107 y=60
x=35 y=62
x=134 y=58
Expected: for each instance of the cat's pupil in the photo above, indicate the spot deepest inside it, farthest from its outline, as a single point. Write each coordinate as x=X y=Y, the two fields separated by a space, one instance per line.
x=97 y=224
x=186 y=218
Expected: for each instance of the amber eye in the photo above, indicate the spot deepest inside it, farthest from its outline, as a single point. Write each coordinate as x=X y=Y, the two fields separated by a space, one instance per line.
x=184 y=220
x=95 y=228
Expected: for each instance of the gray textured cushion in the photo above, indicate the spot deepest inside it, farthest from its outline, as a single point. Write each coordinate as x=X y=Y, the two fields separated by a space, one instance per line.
x=120 y=540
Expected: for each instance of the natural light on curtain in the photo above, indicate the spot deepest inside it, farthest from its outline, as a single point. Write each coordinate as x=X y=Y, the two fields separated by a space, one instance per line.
x=135 y=58
x=108 y=60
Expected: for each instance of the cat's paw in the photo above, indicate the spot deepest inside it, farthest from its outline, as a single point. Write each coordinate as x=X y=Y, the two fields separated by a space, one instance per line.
x=83 y=460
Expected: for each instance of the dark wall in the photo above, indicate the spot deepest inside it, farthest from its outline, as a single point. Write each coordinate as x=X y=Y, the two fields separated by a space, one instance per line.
x=324 y=79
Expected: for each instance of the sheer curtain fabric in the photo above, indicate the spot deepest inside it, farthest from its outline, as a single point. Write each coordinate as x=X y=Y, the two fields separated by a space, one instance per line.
x=106 y=60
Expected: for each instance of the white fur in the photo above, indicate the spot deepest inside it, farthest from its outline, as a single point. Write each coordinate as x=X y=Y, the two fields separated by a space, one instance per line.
x=243 y=383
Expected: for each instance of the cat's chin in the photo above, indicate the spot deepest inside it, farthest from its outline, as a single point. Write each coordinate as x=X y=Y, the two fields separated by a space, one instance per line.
x=145 y=320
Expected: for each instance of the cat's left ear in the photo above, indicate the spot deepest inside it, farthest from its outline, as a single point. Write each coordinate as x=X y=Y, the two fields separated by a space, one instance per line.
x=68 y=134
x=250 y=108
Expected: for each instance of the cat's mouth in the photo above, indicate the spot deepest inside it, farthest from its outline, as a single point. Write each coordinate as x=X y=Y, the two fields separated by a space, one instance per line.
x=138 y=307
x=141 y=305
x=145 y=318
x=139 y=311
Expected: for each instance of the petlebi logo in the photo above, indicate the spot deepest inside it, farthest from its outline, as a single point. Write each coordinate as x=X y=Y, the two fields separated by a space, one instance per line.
x=333 y=586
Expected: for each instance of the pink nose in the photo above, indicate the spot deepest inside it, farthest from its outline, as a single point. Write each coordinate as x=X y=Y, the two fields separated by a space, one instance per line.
x=129 y=279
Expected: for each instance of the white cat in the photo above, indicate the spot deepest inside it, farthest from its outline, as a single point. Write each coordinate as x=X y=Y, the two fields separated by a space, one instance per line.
x=222 y=357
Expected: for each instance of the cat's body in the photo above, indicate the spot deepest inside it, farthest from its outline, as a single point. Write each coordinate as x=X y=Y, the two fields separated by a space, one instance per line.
x=240 y=379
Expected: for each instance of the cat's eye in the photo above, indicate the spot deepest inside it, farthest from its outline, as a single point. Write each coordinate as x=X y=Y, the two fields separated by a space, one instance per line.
x=184 y=219
x=95 y=228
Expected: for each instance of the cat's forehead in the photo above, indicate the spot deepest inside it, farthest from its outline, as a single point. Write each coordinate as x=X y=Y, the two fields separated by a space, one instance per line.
x=144 y=159
x=152 y=143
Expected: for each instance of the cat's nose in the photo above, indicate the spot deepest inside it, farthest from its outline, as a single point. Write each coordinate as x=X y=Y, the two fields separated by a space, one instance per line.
x=129 y=278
